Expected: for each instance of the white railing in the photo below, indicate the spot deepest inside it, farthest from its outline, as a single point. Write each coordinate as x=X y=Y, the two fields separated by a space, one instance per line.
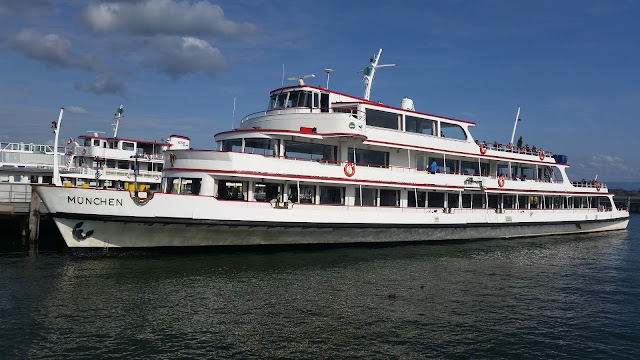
x=13 y=193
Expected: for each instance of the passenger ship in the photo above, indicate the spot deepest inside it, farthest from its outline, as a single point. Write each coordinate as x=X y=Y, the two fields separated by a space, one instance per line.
x=321 y=166
x=95 y=161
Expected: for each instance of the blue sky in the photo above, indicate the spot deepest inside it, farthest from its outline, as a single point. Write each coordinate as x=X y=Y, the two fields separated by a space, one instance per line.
x=178 y=65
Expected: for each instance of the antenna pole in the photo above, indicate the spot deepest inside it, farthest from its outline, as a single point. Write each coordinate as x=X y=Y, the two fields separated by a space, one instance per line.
x=328 y=71
x=370 y=71
x=282 y=75
x=515 y=124
x=233 y=117
x=117 y=120
x=56 y=170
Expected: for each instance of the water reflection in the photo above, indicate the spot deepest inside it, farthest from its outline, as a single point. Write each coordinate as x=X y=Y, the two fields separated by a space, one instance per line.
x=553 y=296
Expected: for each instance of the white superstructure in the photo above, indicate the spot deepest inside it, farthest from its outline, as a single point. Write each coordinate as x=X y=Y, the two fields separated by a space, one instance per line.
x=320 y=166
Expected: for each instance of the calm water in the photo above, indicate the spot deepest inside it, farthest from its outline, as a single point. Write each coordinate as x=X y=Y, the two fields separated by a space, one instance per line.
x=554 y=297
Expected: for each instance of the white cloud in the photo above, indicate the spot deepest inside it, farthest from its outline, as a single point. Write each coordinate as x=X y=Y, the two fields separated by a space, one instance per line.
x=606 y=167
x=103 y=84
x=178 y=56
x=164 y=17
x=52 y=49
x=76 y=110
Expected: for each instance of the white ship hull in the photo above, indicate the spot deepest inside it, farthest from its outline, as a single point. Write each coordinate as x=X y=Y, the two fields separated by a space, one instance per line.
x=103 y=219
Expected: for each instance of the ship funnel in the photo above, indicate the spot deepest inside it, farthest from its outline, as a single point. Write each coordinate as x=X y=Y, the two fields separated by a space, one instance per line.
x=407 y=104
x=179 y=142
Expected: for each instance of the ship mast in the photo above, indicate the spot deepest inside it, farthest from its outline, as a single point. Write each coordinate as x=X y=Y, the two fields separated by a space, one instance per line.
x=116 y=118
x=370 y=71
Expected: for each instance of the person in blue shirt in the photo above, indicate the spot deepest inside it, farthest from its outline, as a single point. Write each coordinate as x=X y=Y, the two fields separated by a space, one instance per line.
x=433 y=167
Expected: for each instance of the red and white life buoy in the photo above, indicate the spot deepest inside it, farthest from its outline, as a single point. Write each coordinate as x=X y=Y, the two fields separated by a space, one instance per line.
x=84 y=151
x=598 y=186
x=483 y=148
x=541 y=154
x=349 y=169
x=501 y=181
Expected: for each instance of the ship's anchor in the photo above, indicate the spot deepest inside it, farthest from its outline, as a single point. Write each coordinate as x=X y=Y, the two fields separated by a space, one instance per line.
x=78 y=233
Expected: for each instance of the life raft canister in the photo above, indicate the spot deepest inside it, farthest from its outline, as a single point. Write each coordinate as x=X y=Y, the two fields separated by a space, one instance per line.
x=349 y=169
x=541 y=154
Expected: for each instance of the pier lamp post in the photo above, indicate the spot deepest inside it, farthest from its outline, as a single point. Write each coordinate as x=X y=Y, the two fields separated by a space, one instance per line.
x=56 y=130
x=135 y=171
x=99 y=164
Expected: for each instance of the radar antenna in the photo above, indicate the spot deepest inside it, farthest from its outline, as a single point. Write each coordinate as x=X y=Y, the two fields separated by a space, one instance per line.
x=370 y=71
x=300 y=79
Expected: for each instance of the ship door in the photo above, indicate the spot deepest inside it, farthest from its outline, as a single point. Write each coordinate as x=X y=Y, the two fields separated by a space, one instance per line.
x=324 y=102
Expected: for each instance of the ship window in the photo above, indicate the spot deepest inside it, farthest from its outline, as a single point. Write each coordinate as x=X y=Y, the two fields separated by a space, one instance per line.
x=127 y=146
x=452 y=131
x=382 y=119
x=307 y=194
x=299 y=99
x=509 y=202
x=478 y=201
x=436 y=200
x=389 y=198
x=278 y=100
x=259 y=146
x=422 y=162
x=421 y=199
x=302 y=150
x=369 y=197
x=535 y=202
x=123 y=165
x=190 y=186
x=494 y=201
x=453 y=200
x=369 y=157
x=439 y=163
x=266 y=192
x=331 y=195
x=523 y=202
x=420 y=126
x=232 y=145
x=230 y=190
x=96 y=142
x=469 y=167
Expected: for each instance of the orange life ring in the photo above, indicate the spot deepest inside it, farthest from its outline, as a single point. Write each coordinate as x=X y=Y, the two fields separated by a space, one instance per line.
x=349 y=169
x=500 y=181
x=598 y=186
x=541 y=154
x=483 y=148
x=84 y=151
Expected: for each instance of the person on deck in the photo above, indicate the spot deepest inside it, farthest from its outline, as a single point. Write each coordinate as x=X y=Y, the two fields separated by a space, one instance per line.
x=519 y=142
x=433 y=167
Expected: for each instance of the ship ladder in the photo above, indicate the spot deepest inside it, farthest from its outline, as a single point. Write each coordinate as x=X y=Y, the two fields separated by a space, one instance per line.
x=105 y=249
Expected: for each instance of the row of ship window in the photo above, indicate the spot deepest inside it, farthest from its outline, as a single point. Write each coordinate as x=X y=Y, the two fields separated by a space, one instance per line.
x=367 y=157
x=378 y=118
x=369 y=196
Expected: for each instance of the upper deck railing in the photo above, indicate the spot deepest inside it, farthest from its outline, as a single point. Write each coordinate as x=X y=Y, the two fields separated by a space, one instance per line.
x=303 y=110
x=396 y=168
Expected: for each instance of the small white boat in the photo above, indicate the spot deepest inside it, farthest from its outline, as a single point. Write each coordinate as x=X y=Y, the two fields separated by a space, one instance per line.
x=321 y=166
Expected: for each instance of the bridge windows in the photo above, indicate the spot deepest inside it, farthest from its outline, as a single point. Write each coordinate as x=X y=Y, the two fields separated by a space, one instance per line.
x=420 y=126
x=452 y=131
x=382 y=119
